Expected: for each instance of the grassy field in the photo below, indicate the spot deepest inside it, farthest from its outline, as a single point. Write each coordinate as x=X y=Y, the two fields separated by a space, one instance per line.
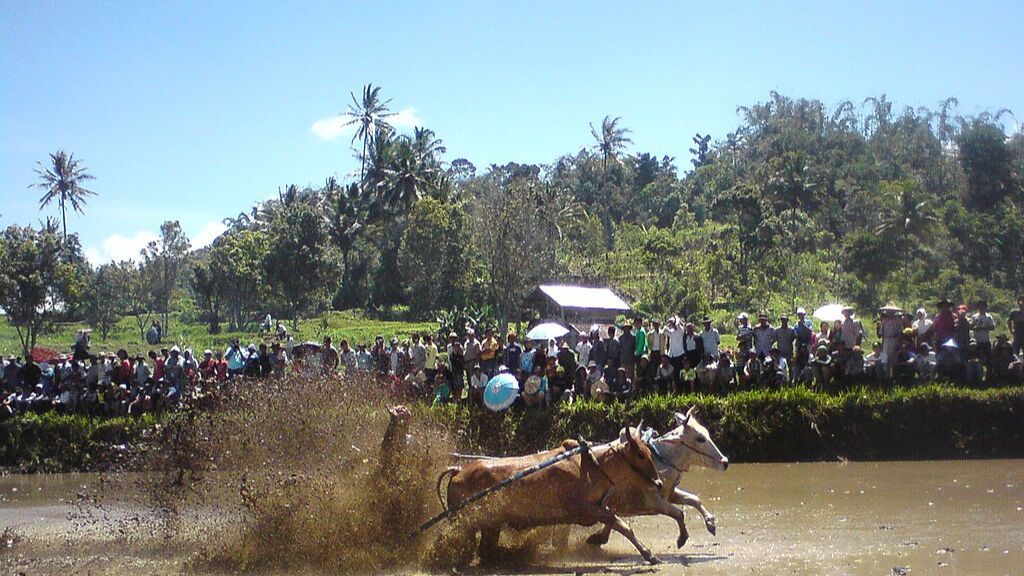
x=352 y=325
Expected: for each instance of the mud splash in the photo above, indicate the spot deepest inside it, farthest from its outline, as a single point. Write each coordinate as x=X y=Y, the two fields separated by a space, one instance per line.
x=295 y=477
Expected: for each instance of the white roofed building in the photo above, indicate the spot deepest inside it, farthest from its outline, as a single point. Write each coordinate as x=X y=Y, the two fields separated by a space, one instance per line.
x=577 y=306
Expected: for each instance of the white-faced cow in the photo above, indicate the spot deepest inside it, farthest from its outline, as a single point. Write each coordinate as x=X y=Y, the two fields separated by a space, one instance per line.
x=675 y=452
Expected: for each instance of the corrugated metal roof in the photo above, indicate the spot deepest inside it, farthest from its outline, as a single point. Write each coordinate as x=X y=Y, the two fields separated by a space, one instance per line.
x=582 y=297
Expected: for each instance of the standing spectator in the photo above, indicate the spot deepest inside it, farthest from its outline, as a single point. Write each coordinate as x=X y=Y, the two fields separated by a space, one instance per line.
x=1016 y=325
x=471 y=352
x=710 y=340
x=983 y=324
x=348 y=358
x=513 y=353
x=627 y=351
x=234 y=357
x=763 y=336
x=418 y=357
x=744 y=335
x=962 y=329
x=526 y=360
x=852 y=330
x=381 y=357
x=640 y=336
x=692 y=345
x=583 y=350
x=598 y=350
x=457 y=365
x=329 y=357
x=278 y=359
x=430 y=357
x=222 y=367
x=142 y=374
x=613 y=358
x=785 y=337
x=208 y=367
x=890 y=330
x=676 y=339
x=394 y=359
x=489 y=348
x=364 y=360
x=656 y=345
x=943 y=326
x=922 y=323
x=803 y=333
x=567 y=359
x=174 y=372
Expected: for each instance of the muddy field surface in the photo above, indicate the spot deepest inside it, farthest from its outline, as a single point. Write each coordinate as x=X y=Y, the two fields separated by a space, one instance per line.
x=950 y=517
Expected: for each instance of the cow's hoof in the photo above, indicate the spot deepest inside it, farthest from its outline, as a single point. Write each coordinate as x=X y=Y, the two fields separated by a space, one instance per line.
x=710 y=523
x=682 y=540
x=652 y=559
x=598 y=539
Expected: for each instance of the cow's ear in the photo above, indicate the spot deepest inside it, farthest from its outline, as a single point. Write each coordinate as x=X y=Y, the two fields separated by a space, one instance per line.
x=682 y=419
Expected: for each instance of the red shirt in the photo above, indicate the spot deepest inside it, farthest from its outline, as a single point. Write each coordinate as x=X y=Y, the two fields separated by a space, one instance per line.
x=222 y=371
x=158 y=367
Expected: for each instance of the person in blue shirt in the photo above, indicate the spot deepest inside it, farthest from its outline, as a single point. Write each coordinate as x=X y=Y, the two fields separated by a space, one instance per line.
x=513 y=352
x=236 y=359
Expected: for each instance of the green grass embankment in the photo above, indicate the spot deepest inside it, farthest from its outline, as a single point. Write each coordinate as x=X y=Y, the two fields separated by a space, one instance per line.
x=932 y=422
x=796 y=424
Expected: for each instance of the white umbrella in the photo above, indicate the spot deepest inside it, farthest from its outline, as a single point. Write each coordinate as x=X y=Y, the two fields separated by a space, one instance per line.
x=547 y=331
x=830 y=312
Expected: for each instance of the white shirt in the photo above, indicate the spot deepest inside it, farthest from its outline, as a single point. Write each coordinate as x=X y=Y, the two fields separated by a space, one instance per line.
x=583 y=351
x=676 y=339
x=982 y=324
x=654 y=340
x=478 y=380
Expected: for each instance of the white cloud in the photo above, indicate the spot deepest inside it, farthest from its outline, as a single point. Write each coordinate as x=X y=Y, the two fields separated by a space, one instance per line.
x=117 y=247
x=208 y=234
x=333 y=127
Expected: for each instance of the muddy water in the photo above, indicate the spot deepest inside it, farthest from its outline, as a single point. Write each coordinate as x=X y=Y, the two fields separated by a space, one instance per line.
x=957 y=517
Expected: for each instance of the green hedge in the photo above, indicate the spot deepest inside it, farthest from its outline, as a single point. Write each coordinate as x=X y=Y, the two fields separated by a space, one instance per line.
x=59 y=443
x=790 y=425
x=796 y=424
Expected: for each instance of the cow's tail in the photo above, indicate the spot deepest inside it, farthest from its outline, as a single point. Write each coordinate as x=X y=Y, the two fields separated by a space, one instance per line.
x=449 y=472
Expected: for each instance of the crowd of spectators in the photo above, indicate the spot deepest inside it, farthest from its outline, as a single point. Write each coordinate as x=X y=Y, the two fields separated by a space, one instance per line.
x=639 y=357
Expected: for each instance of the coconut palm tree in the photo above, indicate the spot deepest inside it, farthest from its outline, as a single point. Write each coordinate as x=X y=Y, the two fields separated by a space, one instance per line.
x=906 y=215
x=62 y=181
x=611 y=140
x=370 y=115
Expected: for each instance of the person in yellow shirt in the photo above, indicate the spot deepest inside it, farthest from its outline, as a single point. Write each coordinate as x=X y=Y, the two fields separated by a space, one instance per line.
x=489 y=353
x=430 y=357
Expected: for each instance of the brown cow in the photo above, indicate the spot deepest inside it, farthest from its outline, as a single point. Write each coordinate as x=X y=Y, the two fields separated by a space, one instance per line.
x=573 y=491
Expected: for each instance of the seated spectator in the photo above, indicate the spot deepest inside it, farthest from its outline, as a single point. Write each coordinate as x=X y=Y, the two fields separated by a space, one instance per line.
x=442 y=393
x=751 y=374
x=875 y=363
x=663 y=377
x=599 y=389
x=973 y=365
x=924 y=362
x=1002 y=358
x=824 y=367
x=580 y=388
x=726 y=370
x=477 y=383
x=535 y=389
x=948 y=363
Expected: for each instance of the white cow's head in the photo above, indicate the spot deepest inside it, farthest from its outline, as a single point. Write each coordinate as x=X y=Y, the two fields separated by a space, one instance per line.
x=689 y=443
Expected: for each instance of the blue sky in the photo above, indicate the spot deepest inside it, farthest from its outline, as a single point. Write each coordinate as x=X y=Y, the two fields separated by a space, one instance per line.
x=196 y=110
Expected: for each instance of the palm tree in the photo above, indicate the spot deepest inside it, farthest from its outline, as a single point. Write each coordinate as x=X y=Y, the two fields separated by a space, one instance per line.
x=906 y=215
x=611 y=140
x=369 y=114
x=63 y=182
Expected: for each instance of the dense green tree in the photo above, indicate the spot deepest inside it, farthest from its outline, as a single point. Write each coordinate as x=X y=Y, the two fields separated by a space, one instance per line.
x=906 y=217
x=163 y=261
x=435 y=257
x=300 y=266
x=39 y=278
x=106 y=295
x=63 y=181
